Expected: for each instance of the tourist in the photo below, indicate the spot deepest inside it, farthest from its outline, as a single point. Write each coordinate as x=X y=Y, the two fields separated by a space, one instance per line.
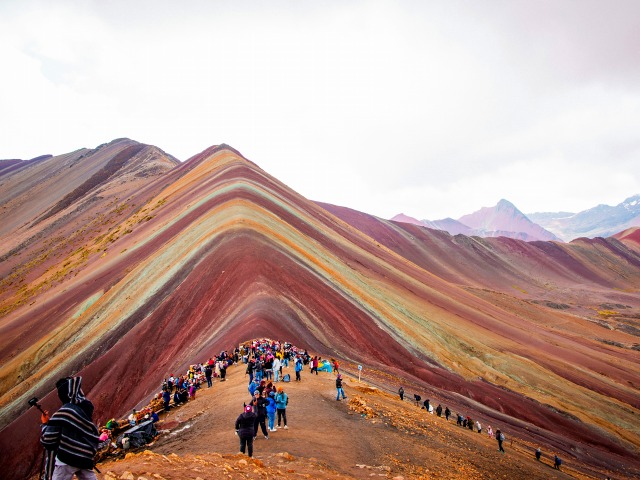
x=401 y=393
x=538 y=454
x=500 y=438
x=271 y=410
x=298 y=368
x=71 y=424
x=339 y=388
x=259 y=405
x=245 y=429
x=447 y=413
x=556 y=462
x=282 y=400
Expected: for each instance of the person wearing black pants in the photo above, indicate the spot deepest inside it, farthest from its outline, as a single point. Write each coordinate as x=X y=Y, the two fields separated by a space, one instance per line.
x=259 y=404
x=245 y=424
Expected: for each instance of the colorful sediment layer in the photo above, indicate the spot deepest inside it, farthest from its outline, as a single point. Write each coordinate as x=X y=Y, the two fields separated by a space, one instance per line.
x=141 y=265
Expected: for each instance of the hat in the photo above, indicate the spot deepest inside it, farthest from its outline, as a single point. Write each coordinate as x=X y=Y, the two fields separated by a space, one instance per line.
x=248 y=408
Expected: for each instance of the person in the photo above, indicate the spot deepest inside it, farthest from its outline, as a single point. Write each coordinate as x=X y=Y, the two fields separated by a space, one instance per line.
x=132 y=418
x=73 y=425
x=281 y=406
x=426 y=404
x=250 y=369
x=271 y=410
x=298 y=368
x=166 y=398
x=208 y=373
x=277 y=369
x=447 y=413
x=259 y=405
x=245 y=425
x=500 y=438
x=401 y=393
x=223 y=371
x=253 y=386
x=439 y=410
x=556 y=462
x=314 y=365
x=339 y=388
x=538 y=454
x=478 y=426
x=336 y=366
x=490 y=431
x=417 y=398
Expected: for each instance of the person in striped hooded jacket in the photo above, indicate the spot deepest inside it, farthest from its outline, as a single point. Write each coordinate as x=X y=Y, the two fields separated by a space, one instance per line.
x=70 y=437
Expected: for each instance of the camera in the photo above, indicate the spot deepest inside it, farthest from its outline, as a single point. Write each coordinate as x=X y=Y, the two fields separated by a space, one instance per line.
x=33 y=402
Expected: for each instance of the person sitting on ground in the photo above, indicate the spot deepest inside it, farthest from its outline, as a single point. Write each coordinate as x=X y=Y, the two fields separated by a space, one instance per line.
x=132 y=418
x=245 y=425
x=70 y=437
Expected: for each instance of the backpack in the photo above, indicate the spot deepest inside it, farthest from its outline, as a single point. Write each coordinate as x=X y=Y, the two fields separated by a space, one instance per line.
x=286 y=378
x=501 y=437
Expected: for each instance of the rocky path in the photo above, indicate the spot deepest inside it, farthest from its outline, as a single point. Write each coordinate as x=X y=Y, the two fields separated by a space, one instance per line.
x=372 y=435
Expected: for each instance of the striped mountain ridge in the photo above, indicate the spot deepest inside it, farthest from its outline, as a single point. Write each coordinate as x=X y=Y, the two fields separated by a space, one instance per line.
x=140 y=275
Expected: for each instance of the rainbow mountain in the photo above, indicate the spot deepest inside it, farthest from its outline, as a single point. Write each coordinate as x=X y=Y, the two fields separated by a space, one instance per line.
x=122 y=264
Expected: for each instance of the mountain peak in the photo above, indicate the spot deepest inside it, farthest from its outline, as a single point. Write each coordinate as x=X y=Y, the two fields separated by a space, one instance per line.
x=505 y=220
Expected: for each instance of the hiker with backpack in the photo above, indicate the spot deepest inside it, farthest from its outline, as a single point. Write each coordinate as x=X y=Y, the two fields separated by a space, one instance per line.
x=556 y=462
x=69 y=436
x=282 y=400
x=500 y=438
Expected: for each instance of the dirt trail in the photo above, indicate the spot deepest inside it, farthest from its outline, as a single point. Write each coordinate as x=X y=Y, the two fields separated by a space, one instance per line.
x=372 y=435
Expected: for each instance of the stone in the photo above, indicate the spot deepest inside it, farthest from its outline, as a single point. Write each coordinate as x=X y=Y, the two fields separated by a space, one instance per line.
x=127 y=476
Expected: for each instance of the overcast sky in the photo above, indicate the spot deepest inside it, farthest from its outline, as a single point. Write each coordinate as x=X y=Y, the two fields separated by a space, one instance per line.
x=429 y=108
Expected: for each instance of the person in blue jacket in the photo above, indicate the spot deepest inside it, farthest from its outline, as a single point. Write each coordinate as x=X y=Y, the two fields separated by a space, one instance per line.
x=271 y=411
x=281 y=406
x=298 y=368
x=253 y=386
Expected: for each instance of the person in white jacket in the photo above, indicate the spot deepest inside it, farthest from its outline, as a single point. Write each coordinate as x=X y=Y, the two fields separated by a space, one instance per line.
x=277 y=365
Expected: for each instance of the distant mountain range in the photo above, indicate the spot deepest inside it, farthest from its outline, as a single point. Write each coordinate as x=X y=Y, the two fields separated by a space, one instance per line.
x=600 y=221
x=505 y=220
